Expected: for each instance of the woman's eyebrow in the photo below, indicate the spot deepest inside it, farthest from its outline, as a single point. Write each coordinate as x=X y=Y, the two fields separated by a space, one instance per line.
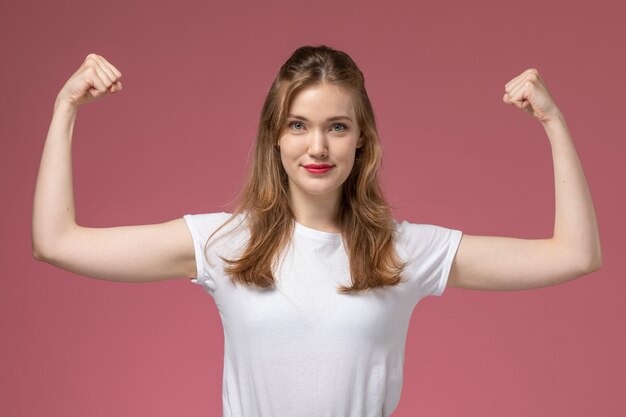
x=330 y=119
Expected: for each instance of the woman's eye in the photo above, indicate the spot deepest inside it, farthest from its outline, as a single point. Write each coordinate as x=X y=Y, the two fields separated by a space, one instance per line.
x=296 y=125
x=338 y=127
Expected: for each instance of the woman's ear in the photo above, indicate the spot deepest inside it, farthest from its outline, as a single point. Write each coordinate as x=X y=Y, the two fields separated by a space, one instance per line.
x=360 y=141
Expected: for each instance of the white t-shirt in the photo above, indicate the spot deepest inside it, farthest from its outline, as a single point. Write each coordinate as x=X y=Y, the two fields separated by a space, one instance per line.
x=303 y=349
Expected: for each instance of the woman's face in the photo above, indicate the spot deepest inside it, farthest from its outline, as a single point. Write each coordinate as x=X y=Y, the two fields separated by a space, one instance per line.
x=319 y=142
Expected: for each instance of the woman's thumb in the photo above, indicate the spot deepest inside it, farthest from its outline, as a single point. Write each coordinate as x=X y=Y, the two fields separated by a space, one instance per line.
x=115 y=87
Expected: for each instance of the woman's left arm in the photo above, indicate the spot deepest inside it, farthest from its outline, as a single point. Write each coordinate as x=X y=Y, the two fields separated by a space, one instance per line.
x=504 y=263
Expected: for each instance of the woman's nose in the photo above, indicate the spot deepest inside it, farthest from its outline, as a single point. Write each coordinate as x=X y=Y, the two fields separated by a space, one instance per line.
x=318 y=145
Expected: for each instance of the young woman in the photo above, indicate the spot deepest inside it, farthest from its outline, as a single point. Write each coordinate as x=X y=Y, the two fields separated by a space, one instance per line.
x=314 y=280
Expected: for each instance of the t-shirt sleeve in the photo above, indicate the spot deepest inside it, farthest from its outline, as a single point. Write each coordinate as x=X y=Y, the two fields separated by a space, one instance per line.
x=201 y=226
x=429 y=251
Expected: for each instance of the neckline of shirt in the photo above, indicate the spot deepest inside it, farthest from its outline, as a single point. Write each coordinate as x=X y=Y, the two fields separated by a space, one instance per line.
x=307 y=231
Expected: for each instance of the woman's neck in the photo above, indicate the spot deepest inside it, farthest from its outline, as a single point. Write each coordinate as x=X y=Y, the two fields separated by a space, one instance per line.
x=317 y=212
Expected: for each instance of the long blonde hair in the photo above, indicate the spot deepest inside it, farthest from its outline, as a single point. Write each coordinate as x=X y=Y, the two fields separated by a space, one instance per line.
x=367 y=227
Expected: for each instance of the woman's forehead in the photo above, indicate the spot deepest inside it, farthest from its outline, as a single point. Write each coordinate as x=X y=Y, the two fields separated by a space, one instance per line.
x=323 y=102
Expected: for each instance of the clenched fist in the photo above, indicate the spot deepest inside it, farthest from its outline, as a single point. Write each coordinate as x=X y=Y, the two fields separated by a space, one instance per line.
x=528 y=92
x=95 y=78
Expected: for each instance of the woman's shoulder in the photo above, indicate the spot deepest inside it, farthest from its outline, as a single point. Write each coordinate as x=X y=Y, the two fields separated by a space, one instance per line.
x=424 y=234
x=209 y=218
x=207 y=223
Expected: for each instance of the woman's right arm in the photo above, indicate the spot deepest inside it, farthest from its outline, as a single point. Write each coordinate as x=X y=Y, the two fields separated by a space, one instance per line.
x=126 y=253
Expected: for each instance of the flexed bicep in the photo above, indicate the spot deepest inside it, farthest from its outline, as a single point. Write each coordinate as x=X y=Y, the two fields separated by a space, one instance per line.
x=507 y=263
x=140 y=253
x=125 y=253
x=497 y=263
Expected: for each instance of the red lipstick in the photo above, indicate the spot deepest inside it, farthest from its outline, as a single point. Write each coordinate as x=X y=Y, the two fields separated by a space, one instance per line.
x=318 y=168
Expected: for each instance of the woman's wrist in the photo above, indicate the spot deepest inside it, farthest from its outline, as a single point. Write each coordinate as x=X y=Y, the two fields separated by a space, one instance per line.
x=63 y=106
x=554 y=121
x=557 y=130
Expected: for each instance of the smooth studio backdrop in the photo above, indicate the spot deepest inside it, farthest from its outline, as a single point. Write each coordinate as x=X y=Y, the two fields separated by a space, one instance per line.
x=177 y=140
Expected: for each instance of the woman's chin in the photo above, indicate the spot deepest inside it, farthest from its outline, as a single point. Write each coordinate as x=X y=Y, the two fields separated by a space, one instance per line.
x=318 y=192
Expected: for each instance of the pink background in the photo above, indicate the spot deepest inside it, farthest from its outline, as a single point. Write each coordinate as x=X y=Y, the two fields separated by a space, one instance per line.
x=177 y=140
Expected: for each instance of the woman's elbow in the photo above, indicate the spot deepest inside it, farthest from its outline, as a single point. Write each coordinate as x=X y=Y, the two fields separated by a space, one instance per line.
x=589 y=264
x=43 y=252
x=37 y=255
x=596 y=258
x=40 y=255
x=596 y=264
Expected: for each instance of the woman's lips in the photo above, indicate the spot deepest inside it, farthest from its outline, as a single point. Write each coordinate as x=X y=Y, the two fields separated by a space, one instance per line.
x=318 y=169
